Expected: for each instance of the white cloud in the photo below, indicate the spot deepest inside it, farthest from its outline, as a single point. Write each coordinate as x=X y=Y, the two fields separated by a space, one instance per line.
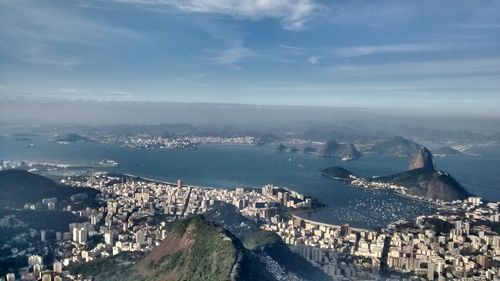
x=232 y=55
x=292 y=14
x=313 y=60
x=358 y=51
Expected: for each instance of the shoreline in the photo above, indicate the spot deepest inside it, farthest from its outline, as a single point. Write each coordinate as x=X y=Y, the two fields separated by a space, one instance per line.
x=395 y=192
x=297 y=215
x=293 y=213
x=170 y=183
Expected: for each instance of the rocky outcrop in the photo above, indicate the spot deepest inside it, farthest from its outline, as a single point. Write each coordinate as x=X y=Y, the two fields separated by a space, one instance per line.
x=422 y=159
x=428 y=184
x=421 y=180
x=340 y=150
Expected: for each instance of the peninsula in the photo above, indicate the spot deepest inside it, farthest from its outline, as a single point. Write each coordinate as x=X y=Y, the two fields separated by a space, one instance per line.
x=421 y=181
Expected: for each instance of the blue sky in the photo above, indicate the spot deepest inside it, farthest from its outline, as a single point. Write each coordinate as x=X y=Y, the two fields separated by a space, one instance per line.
x=383 y=54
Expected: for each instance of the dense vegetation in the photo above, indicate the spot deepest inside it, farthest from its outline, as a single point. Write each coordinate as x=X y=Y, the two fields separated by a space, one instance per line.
x=211 y=257
x=71 y=137
x=439 y=226
x=48 y=220
x=117 y=268
x=15 y=232
x=429 y=184
x=193 y=250
x=336 y=173
x=18 y=187
x=262 y=242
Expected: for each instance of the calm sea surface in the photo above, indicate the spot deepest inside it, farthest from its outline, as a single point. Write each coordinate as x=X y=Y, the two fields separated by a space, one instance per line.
x=250 y=166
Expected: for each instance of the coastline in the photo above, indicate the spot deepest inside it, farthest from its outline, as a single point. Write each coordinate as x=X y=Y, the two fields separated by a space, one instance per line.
x=294 y=213
x=169 y=183
x=297 y=216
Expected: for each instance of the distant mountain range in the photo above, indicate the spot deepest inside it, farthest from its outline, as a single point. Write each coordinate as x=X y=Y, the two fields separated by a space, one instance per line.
x=446 y=151
x=395 y=146
x=198 y=249
x=422 y=179
x=339 y=150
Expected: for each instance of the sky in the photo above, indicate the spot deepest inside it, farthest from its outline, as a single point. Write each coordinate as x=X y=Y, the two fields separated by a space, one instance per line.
x=441 y=56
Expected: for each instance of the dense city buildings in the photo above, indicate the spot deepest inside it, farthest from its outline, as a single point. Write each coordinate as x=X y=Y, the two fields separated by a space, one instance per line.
x=455 y=242
x=145 y=141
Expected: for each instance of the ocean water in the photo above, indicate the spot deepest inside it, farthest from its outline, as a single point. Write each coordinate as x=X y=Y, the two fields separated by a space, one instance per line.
x=250 y=166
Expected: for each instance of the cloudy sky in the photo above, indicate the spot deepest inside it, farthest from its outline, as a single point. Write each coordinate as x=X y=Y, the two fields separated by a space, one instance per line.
x=409 y=54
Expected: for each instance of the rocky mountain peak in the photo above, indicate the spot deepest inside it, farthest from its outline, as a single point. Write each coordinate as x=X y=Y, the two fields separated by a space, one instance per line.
x=422 y=159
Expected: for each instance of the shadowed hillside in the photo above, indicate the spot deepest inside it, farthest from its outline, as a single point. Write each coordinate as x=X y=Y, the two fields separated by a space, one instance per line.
x=18 y=187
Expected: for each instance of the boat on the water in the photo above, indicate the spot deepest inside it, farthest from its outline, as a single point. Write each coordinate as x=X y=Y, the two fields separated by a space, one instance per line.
x=108 y=163
x=347 y=158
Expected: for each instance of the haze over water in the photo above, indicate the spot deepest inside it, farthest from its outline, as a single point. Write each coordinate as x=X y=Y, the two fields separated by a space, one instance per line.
x=251 y=166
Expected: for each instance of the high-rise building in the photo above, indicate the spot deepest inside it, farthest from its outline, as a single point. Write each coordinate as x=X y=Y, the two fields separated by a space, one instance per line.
x=483 y=261
x=431 y=267
x=37 y=270
x=179 y=183
x=10 y=277
x=308 y=202
x=46 y=277
x=51 y=206
x=57 y=266
x=344 y=230
x=34 y=259
x=298 y=222
x=269 y=212
x=140 y=237
x=267 y=190
x=286 y=198
x=466 y=227
x=43 y=235
x=82 y=235
x=94 y=219
x=58 y=236
x=108 y=238
x=76 y=235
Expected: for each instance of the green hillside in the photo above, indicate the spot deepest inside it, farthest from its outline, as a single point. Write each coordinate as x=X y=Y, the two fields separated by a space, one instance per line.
x=193 y=250
x=18 y=187
x=262 y=242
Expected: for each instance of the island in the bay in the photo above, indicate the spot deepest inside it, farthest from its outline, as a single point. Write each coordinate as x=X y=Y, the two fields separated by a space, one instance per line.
x=421 y=181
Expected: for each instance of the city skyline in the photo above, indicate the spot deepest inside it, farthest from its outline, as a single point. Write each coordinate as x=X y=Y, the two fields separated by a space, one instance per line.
x=290 y=52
